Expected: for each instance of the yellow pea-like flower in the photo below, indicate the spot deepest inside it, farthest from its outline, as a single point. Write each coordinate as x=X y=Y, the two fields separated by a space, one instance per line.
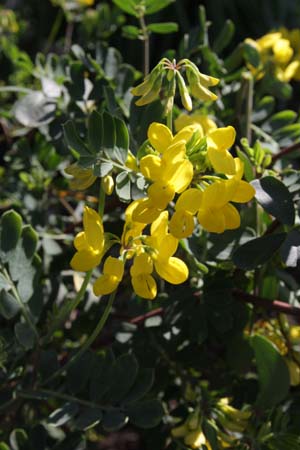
x=218 y=143
x=113 y=271
x=89 y=243
x=142 y=281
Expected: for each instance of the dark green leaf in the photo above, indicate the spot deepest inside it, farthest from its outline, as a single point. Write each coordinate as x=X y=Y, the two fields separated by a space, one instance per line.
x=122 y=141
x=275 y=198
x=109 y=133
x=124 y=372
x=163 y=28
x=48 y=363
x=224 y=37
x=101 y=377
x=251 y=54
x=88 y=418
x=273 y=374
x=282 y=119
x=73 y=140
x=25 y=335
x=11 y=228
x=152 y=6
x=29 y=240
x=95 y=132
x=128 y=6
x=131 y=32
x=141 y=386
x=62 y=415
x=113 y=420
x=9 y=306
x=103 y=168
x=78 y=378
x=146 y=414
x=257 y=251
x=290 y=249
x=248 y=169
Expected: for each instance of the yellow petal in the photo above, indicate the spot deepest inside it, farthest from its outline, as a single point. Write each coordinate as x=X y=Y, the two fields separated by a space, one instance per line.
x=145 y=212
x=173 y=270
x=232 y=217
x=160 y=136
x=221 y=160
x=115 y=267
x=218 y=194
x=93 y=228
x=167 y=246
x=244 y=192
x=142 y=265
x=181 y=224
x=190 y=200
x=159 y=227
x=150 y=166
x=144 y=285
x=211 y=220
x=182 y=175
x=80 y=241
x=85 y=260
x=161 y=194
x=105 y=284
x=175 y=152
x=221 y=138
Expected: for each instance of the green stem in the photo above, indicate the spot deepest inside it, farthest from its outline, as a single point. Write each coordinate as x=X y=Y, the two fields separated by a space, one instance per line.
x=249 y=106
x=170 y=120
x=146 y=44
x=71 y=305
x=49 y=393
x=23 y=308
x=54 y=30
x=101 y=203
x=89 y=340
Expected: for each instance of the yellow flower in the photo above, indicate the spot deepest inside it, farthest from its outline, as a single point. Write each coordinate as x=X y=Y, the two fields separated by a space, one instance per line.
x=171 y=172
x=89 y=243
x=82 y=178
x=142 y=281
x=182 y=222
x=218 y=142
x=216 y=214
x=168 y=267
x=205 y=122
x=113 y=271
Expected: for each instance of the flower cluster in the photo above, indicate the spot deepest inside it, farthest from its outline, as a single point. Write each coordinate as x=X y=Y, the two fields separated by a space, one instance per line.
x=226 y=422
x=189 y=174
x=280 y=52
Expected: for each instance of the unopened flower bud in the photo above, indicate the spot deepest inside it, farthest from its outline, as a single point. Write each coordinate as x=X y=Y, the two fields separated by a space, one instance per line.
x=108 y=184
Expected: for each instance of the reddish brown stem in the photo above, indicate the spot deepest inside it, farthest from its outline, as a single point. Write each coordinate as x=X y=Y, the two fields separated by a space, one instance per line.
x=137 y=320
x=272 y=305
x=285 y=151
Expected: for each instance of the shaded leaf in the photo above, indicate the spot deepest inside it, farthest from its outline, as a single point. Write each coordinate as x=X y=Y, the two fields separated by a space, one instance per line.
x=9 y=306
x=146 y=414
x=163 y=28
x=34 y=110
x=11 y=228
x=275 y=198
x=114 y=420
x=257 y=251
x=273 y=374
x=88 y=418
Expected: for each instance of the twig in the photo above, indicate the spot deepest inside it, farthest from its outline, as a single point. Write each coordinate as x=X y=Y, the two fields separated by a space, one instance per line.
x=272 y=305
x=143 y=317
x=285 y=151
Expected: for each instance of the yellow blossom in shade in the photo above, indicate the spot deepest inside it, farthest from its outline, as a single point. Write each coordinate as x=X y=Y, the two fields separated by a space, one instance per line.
x=170 y=268
x=204 y=121
x=89 y=243
x=195 y=439
x=86 y=2
x=113 y=271
x=82 y=178
x=142 y=281
x=218 y=143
